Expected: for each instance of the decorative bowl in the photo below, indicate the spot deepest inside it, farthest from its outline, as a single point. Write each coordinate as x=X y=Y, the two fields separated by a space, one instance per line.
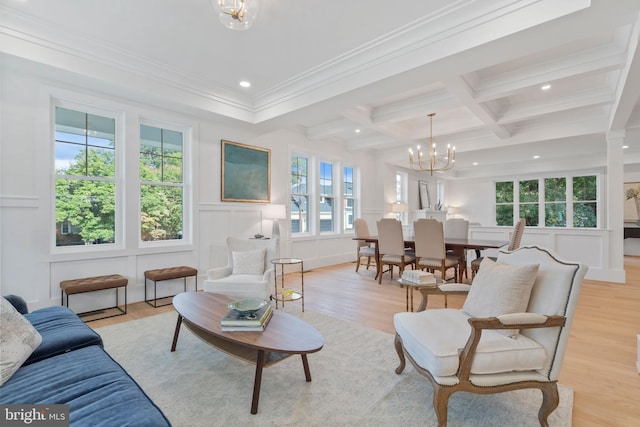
x=247 y=307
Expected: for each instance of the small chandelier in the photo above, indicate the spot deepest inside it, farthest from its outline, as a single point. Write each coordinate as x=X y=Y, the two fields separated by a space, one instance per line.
x=433 y=163
x=237 y=14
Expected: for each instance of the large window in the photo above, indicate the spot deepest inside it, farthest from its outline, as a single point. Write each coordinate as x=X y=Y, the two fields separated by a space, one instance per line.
x=348 y=197
x=85 y=178
x=161 y=184
x=554 y=202
x=299 y=194
x=327 y=199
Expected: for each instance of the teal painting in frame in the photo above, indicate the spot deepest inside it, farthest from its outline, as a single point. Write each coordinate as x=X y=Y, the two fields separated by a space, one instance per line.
x=246 y=173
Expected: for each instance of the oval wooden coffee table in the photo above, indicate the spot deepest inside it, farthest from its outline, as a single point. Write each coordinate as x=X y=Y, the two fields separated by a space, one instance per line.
x=285 y=335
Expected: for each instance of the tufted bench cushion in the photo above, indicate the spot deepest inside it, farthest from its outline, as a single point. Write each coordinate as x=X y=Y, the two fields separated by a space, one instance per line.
x=169 y=273
x=97 y=283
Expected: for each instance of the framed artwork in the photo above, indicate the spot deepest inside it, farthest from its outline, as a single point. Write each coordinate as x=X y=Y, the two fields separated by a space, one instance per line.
x=632 y=194
x=246 y=173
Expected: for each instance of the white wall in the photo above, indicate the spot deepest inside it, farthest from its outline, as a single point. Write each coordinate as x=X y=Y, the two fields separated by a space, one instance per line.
x=29 y=265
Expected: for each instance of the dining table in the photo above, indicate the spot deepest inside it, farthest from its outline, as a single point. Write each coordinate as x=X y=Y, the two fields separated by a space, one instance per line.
x=457 y=246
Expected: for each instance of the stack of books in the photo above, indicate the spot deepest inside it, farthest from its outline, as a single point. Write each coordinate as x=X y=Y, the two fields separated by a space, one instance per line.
x=418 y=277
x=234 y=321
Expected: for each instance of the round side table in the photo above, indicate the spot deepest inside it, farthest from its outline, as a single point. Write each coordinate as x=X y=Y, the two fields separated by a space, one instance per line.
x=287 y=294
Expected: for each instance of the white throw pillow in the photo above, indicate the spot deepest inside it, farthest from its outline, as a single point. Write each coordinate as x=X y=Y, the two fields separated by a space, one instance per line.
x=248 y=262
x=500 y=289
x=18 y=339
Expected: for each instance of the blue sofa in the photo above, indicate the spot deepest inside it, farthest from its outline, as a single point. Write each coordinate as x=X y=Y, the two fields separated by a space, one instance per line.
x=71 y=367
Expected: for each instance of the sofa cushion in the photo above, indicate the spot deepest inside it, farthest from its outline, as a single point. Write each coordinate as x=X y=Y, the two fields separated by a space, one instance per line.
x=97 y=389
x=18 y=339
x=434 y=337
x=61 y=330
x=500 y=289
x=249 y=262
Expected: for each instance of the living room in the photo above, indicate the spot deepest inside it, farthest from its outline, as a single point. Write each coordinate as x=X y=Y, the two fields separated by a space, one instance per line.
x=49 y=61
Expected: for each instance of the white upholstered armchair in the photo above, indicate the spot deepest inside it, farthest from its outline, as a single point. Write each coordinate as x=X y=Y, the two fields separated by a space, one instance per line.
x=511 y=333
x=248 y=273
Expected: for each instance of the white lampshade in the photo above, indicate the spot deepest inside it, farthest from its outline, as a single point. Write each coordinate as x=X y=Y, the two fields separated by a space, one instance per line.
x=237 y=14
x=399 y=207
x=275 y=212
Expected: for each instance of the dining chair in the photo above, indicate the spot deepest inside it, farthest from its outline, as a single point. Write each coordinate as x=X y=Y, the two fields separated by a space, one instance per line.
x=431 y=252
x=514 y=243
x=458 y=228
x=391 y=250
x=364 y=249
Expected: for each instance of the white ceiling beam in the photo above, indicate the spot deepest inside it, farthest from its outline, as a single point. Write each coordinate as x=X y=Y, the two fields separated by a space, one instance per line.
x=330 y=129
x=459 y=87
x=595 y=61
x=628 y=90
x=413 y=107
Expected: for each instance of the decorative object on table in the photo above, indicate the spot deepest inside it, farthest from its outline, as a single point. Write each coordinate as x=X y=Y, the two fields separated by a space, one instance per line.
x=632 y=202
x=534 y=293
x=419 y=277
x=399 y=208
x=248 y=272
x=244 y=316
x=237 y=14
x=246 y=173
x=434 y=163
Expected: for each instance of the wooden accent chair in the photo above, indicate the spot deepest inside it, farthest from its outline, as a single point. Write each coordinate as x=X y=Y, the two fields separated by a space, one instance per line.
x=431 y=252
x=391 y=247
x=364 y=249
x=458 y=228
x=514 y=243
x=504 y=338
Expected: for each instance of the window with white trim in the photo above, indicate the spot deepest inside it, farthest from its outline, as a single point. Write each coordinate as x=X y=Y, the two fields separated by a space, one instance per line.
x=326 y=202
x=161 y=184
x=85 y=178
x=349 y=198
x=299 y=194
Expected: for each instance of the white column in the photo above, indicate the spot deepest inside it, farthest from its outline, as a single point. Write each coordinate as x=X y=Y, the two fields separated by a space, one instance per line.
x=615 y=201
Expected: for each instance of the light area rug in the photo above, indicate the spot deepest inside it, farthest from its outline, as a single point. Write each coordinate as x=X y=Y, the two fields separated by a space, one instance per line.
x=353 y=382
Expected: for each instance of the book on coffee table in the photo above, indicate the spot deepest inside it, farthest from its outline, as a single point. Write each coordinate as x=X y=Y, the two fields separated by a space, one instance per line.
x=418 y=277
x=246 y=328
x=234 y=318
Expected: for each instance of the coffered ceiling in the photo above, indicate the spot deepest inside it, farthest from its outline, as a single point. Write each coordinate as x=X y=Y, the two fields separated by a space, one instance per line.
x=329 y=68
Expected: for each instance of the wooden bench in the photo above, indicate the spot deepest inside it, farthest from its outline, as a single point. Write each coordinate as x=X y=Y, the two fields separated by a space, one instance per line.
x=170 y=273
x=97 y=283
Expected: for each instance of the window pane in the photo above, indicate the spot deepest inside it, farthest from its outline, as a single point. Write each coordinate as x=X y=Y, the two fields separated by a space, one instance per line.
x=555 y=189
x=101 y=162
x=326 y=214
x=529 y=191
x=326 y=178
x=348 y=182
x=555 y=214
x=504 y=215
x=530 y=213
x=299 y=214
x=161 y=212
x=584 y=188
x=504 y=192
x=348 y=214
x=150 y=167
x=172 y=169
x=70 y=159
x=585 y=215
x=89 y=209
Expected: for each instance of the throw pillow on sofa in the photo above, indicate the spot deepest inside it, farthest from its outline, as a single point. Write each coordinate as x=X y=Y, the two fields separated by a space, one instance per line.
x=18 y=339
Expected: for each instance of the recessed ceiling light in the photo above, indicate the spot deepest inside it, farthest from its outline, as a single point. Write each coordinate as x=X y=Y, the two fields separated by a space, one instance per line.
x=245 y=83
x=625 y=146
x=545 y=87
x=536 y=157
x=357 y=131
x=475 y=163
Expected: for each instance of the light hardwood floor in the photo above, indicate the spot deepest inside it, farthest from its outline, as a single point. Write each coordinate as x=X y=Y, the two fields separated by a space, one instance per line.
x=600 y=364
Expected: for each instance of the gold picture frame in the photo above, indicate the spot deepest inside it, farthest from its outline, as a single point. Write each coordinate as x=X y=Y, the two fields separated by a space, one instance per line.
x=246 y=173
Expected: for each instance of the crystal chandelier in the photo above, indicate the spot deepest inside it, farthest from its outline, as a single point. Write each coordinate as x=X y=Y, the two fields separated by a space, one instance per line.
x=433 y=163
x=237 y=14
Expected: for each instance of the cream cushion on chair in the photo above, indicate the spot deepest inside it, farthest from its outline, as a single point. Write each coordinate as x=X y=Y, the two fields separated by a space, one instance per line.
x=500 y=289
x=436 y=348
x=248 y=262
